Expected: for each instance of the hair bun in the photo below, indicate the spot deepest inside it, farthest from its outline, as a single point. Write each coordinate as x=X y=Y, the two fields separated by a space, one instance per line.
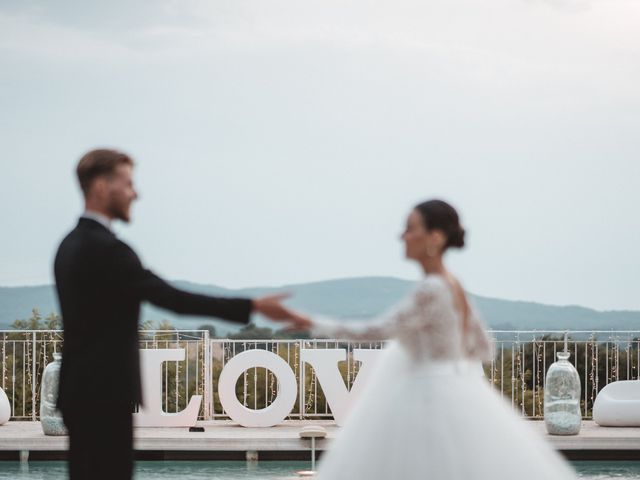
x=456 y=238
x=439 y=215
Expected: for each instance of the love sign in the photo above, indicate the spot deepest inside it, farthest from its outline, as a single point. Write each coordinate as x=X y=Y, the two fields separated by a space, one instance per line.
x=323 y=361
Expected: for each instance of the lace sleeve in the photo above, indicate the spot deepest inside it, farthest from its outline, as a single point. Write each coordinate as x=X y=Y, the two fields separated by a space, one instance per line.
x=414 y=315
x=477 y=343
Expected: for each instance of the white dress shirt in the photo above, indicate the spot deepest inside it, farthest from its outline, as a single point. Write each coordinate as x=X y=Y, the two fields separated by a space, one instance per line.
x=98 y=217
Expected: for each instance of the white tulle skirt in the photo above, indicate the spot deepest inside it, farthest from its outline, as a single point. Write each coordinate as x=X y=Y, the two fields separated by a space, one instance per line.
x=440 y=421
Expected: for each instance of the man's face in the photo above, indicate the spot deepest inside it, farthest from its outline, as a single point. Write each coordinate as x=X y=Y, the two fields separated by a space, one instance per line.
x=120 y=193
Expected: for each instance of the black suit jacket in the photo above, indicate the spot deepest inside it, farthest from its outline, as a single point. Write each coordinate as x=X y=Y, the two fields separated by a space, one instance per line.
x=100 y=283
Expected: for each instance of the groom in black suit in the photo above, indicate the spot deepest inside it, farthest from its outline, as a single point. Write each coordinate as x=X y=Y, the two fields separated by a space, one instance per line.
x=101 y=283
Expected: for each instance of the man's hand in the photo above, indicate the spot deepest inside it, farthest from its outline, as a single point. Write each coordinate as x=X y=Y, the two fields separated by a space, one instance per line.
x=272 y=308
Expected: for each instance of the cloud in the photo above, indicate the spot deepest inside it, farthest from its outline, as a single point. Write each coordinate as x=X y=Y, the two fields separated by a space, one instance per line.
x=523 y=112
x=521 y=31
x=571 y=6
x=29 y=36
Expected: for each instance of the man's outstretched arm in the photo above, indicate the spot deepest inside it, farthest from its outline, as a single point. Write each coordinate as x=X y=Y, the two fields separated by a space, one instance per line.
x=132 y=279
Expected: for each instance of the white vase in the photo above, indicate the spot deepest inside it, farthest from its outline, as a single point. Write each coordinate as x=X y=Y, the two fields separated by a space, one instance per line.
x=5 y=408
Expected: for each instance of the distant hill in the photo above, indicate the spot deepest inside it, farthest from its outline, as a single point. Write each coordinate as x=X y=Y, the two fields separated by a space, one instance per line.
x=346 y=298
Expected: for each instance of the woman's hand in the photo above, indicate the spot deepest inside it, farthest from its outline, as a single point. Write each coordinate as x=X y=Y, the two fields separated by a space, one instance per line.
x=299 y=322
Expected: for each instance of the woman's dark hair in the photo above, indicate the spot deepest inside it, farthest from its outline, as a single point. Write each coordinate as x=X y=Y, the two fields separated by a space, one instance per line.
x=438 y=214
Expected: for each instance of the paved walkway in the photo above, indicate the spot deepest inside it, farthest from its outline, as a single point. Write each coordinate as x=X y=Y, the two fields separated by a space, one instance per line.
x=225 y=436
x=218 y=436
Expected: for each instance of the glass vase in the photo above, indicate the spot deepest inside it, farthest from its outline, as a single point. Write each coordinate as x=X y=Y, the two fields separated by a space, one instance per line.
x=562 y=414
x=50 y=416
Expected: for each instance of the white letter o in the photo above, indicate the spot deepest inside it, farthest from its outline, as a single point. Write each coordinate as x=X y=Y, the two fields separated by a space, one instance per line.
x=281 y=406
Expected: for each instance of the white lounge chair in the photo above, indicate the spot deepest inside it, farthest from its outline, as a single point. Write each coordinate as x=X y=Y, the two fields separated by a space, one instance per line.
x=618 y=405
x=5 y=408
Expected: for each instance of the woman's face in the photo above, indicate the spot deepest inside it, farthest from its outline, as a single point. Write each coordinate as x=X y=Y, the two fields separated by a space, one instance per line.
x=415 y=237
x=418 y=241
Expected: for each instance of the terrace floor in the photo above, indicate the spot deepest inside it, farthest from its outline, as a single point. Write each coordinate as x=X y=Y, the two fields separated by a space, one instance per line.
x=227 y=440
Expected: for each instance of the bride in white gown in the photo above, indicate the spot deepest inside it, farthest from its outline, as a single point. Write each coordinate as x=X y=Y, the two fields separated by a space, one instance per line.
x=426 y=412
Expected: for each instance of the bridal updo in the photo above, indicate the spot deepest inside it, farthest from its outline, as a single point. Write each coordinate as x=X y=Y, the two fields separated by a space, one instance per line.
x=438 y=214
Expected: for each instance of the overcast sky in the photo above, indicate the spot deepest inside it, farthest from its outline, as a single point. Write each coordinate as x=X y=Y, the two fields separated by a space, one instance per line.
x=285 y=141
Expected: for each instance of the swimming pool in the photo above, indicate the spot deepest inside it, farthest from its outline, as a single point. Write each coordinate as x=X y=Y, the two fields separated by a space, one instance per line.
x=608 y=470
x=236 y=470
x=167 y=470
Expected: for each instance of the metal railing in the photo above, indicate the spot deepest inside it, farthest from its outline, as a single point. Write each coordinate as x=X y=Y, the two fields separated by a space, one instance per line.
x=522 y=359
x=517 y=370
x=24 y=354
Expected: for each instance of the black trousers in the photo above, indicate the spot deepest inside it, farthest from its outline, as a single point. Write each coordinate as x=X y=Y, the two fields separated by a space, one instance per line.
x=100 y=442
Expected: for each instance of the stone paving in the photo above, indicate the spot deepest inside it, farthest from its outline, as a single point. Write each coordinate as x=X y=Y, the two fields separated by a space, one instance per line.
x=226 y=436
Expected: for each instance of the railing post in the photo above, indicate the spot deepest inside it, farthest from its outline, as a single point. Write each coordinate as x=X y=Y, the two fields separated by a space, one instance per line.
x=206 y=357
x=33 y=376
x=302 y=400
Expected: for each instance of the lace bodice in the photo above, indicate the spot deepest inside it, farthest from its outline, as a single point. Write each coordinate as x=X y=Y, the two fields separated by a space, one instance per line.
x=426 y=322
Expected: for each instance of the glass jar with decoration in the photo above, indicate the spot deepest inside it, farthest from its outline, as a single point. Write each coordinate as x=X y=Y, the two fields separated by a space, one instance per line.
x=562 y=415
x=50 y=416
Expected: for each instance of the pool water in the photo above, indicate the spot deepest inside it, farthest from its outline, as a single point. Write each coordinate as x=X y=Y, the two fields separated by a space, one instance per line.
x=235 y=470
x=169 y=470
x=608 y=470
